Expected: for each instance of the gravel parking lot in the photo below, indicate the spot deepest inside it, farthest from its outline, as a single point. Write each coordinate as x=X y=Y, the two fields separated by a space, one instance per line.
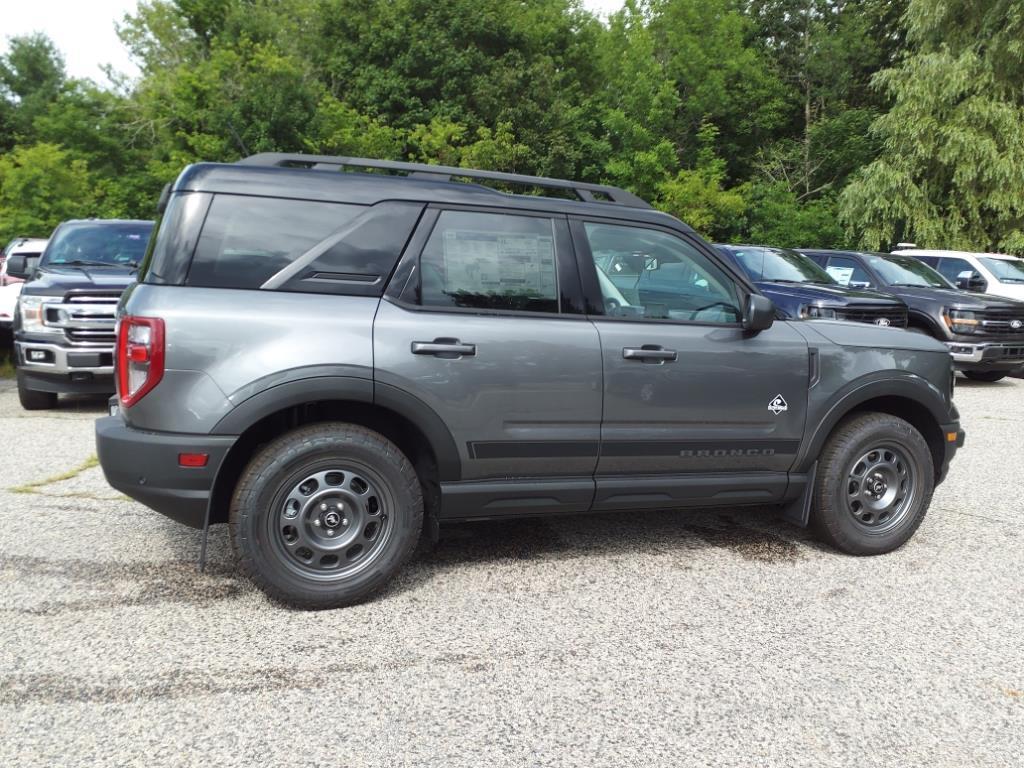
x=719 y=638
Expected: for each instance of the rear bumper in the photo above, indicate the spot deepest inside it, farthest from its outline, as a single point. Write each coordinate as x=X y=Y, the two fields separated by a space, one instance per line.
x=144 y=466
x=951 y=446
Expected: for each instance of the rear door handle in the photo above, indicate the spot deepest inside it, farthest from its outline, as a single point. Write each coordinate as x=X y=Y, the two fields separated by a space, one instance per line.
x=443 y=348
x=650 y=352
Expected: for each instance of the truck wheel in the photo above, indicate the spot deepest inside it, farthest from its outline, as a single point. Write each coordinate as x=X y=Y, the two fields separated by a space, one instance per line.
x=34 y=400
x=874 y=483
x=985 y=375
x=325 y=515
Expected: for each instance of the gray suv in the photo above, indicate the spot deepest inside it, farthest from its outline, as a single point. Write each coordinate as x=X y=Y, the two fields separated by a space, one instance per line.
x=335 y=356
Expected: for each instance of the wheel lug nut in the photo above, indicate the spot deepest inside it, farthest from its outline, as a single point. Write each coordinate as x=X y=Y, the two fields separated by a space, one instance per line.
x=330 y=531
x=344 y=521
x=316 y=522
x=323 y=507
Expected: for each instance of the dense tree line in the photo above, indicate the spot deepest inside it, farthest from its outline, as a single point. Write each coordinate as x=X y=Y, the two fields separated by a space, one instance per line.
x=793 y=122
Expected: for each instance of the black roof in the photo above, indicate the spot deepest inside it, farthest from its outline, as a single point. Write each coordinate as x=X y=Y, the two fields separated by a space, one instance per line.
x=312 y=177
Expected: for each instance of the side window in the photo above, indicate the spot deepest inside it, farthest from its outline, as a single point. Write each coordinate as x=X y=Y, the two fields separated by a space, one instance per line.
x=246 y=240
x=648 y=274
x=848 y=272
x=490 y=261
x=952 y=268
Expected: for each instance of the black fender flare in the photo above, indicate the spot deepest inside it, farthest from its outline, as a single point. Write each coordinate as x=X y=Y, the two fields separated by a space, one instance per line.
x=870 y=387
x=351 y=389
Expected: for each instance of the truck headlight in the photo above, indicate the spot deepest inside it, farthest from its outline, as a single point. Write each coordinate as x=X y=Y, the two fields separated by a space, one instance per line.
x=961 y=321
x=31 y=309
x=811 y=312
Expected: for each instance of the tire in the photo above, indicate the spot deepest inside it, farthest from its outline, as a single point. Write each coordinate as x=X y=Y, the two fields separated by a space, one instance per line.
x=864 y=454
x=34 y=400
x=989 y=376
x=322 y=475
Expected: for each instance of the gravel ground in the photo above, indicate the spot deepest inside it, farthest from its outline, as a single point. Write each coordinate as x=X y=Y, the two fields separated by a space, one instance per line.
x=724 y=638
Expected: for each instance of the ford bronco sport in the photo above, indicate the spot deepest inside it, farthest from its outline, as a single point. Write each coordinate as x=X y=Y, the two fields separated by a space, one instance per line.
x=335 y=361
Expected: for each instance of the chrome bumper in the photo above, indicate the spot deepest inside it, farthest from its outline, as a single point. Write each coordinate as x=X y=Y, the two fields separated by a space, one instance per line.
x=980 y=353
x=40 y=357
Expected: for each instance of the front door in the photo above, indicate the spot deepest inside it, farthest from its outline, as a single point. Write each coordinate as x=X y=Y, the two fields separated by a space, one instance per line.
x=695 y=408
x=489 y=344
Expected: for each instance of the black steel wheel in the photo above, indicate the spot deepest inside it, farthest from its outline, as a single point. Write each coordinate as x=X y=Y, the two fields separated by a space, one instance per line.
x=874 y=483
x=325 y=515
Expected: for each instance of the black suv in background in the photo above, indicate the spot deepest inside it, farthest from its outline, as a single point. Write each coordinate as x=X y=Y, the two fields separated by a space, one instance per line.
x=800 y=289
x=64 y=322
x=984 y=333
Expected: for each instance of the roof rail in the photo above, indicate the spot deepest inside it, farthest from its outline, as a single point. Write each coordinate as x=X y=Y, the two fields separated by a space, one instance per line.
x=590 y=193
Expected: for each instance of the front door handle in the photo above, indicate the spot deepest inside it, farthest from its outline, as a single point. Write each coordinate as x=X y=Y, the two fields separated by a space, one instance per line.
x=650 y=353
x=443 y=348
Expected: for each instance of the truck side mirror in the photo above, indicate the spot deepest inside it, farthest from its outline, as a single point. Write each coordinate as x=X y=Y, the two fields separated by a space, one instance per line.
x=759 y=314
x=21 y=266
x=968 y=280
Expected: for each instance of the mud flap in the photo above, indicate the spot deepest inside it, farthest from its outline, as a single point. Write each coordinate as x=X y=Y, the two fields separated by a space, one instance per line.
x=798 y=511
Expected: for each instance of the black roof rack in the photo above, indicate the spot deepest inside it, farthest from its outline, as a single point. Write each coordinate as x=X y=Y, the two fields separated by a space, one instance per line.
x=590 y=193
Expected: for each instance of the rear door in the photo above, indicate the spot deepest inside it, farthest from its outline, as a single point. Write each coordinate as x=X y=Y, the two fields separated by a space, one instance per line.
x=487 y=330
x=695 y=408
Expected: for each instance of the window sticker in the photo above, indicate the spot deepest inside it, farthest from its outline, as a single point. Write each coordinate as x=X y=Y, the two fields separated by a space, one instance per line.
x=841 y=275
x=510 y=263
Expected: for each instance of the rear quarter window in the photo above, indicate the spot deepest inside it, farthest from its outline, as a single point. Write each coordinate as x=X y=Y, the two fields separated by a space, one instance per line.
x=247 y=240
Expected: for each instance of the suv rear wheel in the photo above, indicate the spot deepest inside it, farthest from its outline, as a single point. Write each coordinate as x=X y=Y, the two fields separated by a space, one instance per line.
x=985 y=375
x=325 y=515
x=874 y=482
x=34 y=400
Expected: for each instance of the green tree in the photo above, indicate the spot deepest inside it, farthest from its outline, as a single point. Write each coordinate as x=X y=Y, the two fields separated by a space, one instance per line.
x=949 y=174
x=40 y=186
x=697 y=195
x=31 y=78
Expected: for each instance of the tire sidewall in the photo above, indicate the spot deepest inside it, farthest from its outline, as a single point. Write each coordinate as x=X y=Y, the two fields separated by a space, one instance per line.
x=835 y=515
x=270 y=489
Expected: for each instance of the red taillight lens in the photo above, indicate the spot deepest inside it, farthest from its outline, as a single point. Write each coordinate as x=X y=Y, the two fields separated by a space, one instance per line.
x=140 y=357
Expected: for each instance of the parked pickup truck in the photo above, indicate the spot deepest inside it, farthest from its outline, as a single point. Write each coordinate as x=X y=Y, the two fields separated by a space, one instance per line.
x=64 y=319
x=801 y=290
x=984 y=332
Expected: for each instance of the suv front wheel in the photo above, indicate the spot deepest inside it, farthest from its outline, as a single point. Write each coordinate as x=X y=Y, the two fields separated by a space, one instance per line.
x=874 y=483
x=325 y=515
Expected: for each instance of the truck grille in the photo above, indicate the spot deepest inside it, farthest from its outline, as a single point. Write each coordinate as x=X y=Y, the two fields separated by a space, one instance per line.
x=895 y=317
x=86 y=320
x=1005 y=323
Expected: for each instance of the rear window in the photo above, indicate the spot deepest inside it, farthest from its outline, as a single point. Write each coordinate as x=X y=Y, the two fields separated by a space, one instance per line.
x=247 y=240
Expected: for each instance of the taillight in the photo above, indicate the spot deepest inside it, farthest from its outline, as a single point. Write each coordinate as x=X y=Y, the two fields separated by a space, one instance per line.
x=140 y=357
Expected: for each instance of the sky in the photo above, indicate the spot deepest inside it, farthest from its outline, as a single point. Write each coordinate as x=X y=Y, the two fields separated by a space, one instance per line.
x=83 y=30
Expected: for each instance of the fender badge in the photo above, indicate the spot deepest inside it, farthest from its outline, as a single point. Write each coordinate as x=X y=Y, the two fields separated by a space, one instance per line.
x=778 y=405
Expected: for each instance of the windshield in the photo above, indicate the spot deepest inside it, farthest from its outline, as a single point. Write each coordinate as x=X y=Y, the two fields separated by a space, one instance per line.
x=903 y=270
x=778 y=265
x=1005 y=270
x=99 y=244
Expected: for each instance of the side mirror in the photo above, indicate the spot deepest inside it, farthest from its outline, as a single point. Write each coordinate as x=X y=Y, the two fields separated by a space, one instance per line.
x=967 y=281
x=21 y=266
x=759 y=314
